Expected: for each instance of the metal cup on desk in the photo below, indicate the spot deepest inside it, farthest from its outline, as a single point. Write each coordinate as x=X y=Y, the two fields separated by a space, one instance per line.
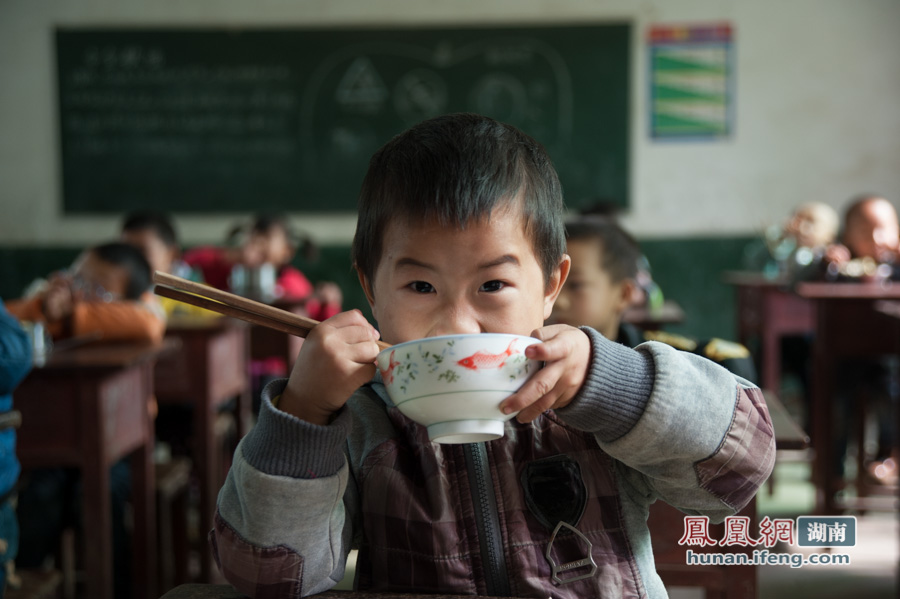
x=257 y=282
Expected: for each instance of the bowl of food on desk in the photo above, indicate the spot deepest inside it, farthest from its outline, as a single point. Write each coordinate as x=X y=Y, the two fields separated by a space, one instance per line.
x=454 y=384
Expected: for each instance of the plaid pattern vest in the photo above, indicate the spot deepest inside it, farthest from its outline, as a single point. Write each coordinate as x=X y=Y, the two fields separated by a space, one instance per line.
x=421 y=528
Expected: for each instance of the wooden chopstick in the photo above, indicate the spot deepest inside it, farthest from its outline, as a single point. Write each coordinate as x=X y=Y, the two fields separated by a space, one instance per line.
x=232 y=311
x=229 y=304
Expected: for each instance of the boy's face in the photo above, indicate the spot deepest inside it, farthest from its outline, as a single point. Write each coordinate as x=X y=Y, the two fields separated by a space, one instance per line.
x=434 y=280
x=93 y=276
x=590 y=296
x=873 y=232
x=158 y=254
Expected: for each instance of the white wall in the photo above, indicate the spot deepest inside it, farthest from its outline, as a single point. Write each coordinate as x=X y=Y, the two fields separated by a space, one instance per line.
x=818 y=105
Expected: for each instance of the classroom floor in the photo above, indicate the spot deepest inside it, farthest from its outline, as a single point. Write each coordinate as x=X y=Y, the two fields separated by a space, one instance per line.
x=873 y=568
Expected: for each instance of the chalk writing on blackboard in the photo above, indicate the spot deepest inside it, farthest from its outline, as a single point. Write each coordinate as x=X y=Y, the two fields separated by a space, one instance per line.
x=215 y=120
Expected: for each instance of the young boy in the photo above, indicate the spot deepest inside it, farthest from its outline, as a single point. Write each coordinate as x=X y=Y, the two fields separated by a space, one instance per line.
x=871 y=241
x=15 y=362
x=600 y=287
x=154 y=234
x=871 y=234
x=460 y=231
x=106 y=294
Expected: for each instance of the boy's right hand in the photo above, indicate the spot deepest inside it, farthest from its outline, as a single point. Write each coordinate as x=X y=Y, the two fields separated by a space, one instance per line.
x=336 y=358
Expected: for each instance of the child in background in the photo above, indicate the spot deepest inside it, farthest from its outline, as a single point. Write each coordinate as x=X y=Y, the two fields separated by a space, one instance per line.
x=268 y=240
x=105 y=293
x=646 y=292
x=154 y=234
x=795 y=249
x=870 y=241
x=869 y=250
x=15 y=362
x=460 y=231
x=813 y=225
x=605 y=267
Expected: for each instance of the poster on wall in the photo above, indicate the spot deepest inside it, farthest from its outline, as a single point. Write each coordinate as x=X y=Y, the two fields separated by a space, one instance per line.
x=691 y=81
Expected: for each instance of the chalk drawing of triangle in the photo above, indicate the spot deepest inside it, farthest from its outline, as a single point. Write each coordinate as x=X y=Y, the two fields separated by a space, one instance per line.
x=361 y=85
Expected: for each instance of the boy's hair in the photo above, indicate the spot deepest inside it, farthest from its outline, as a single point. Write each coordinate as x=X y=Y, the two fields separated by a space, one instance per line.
x=132 y=260
x=150 y=220
x=621 y=252
x=455 y=169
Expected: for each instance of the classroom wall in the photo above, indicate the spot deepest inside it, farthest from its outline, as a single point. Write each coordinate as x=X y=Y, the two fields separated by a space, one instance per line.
x=817 y=90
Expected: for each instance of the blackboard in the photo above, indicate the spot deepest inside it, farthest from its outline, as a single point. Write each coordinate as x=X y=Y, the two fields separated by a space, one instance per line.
x=216 y=120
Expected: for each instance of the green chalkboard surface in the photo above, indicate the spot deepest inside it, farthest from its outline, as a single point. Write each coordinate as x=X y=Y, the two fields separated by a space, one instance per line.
x=215 y=120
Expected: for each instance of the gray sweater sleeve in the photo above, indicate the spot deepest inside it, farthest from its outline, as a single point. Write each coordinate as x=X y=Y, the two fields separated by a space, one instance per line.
x=282 y=528
x=284 y=445
x=682 y=428
x=615 y=391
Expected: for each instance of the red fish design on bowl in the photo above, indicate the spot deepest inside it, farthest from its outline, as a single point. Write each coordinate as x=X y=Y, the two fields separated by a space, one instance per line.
x=454 y=384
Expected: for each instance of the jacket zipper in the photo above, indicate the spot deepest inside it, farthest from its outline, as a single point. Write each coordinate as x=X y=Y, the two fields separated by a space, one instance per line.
x=487 y=519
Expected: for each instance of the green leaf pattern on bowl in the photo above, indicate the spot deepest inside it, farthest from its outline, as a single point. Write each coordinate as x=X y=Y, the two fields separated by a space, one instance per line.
x=407 y=371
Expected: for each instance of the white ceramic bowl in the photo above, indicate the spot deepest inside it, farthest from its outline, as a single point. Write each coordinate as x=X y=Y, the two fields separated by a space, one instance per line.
x=454 y=384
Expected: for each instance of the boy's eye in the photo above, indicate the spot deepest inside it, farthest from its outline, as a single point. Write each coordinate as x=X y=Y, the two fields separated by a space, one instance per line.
x=492 y=286
x=422 y=287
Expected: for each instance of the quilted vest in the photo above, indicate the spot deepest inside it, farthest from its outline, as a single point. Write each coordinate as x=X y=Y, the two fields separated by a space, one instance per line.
x=421 y=517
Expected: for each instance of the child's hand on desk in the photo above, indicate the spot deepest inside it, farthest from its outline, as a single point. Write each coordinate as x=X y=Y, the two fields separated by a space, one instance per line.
x=58 y=302
x=566 y=353
x=337 y=357
x=837 y=254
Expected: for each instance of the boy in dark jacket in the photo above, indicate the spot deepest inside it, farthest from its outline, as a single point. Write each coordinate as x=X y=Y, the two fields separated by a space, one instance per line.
x=601 y=286
x=460 y=231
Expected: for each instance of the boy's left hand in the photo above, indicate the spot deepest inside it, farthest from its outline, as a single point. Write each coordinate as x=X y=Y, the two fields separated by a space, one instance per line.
x=566 y=353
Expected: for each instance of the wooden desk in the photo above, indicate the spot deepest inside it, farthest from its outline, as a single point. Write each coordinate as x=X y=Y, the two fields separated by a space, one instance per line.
x=87 y=408
x=652 y=320
x=768 y=311
x=210 y=368
x=848 y=325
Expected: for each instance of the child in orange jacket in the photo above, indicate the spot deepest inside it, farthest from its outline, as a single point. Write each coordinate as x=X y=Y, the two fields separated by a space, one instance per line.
x=105 y=293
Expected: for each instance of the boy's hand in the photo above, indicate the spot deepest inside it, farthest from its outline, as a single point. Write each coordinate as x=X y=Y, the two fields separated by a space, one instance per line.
x=337 y=357
x=566 y=353
x=58 y=302
x=837 y=254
